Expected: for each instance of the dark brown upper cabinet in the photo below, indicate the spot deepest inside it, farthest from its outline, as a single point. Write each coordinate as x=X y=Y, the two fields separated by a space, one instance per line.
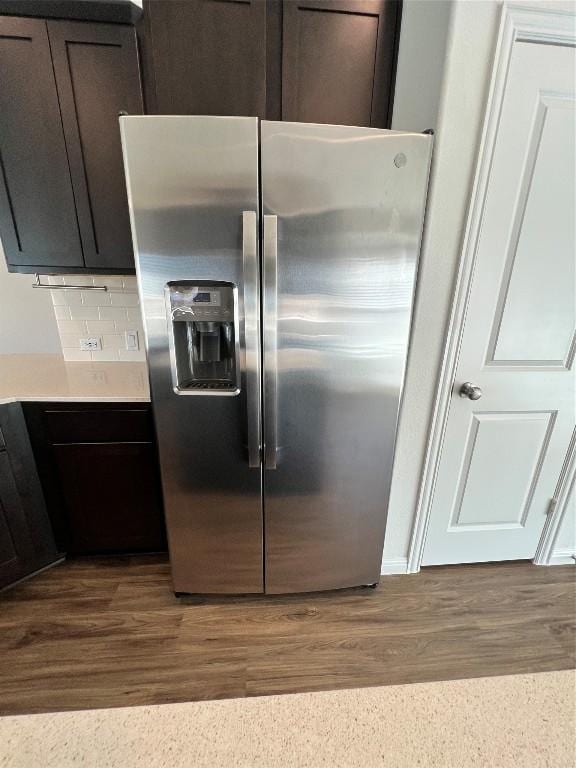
x=207 y=57
x=97 y=76
x=338 y=60
x=328 y=61
x=63 y=202
x=37 y=211
x=115 y=11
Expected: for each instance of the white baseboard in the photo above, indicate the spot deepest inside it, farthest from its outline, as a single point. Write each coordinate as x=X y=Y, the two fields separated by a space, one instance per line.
x=562 y=557
x=399 y=565
x=394 y=566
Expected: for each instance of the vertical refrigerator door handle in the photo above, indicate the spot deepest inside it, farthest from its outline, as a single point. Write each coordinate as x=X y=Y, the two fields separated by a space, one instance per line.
x=251 y=334
x=270 y=340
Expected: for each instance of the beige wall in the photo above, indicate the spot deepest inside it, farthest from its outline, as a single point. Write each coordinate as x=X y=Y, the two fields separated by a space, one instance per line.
x=468 y=58
x=421 y=56
x=27 y=322
x=460 y=88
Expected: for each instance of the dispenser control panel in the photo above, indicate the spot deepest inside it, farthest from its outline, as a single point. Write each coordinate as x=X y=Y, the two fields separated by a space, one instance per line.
x=203 y=338
x=196 y=302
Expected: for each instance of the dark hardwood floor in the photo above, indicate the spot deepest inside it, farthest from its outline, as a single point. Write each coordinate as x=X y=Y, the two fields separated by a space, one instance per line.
x=109 y=632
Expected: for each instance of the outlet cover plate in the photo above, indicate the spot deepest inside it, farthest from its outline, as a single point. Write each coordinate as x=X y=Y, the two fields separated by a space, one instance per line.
x=93 y=344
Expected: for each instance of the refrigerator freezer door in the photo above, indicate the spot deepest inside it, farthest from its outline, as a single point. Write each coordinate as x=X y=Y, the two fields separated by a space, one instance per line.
x=343 y=210
x=193 y=192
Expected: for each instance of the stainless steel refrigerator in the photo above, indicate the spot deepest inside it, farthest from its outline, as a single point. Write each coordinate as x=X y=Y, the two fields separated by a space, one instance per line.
x=276 y=267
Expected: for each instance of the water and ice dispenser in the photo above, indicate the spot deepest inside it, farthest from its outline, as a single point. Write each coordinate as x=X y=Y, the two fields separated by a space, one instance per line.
x=204 y=337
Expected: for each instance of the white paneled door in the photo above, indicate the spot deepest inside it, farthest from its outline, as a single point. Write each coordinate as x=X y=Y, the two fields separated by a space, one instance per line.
x=502 y=454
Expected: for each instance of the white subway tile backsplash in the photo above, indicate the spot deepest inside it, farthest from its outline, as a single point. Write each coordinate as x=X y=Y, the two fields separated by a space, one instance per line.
x=109 y=282
x=62 y=312
x=85 y=313
x=75 y=280
x=59 y=299
x=124 y=299
x=95 y=298
x=112 y=341
x=135 y=314
x=72 y=298
x=113 y=313
x=127 y=325
x=72 y=326
x=105 y=314
x=100 y=326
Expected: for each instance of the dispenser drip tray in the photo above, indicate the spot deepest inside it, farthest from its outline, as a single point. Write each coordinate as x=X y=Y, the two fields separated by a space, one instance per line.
x=205 y=385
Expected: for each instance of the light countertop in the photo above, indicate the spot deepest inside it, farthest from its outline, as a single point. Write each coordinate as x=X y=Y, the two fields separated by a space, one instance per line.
x=50 y=378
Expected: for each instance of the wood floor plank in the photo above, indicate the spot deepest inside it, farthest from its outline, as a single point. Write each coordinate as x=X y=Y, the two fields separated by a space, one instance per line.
x=463 y=653
x=132 y=685
x=109 y=632
x=74 y=638
x=564 y=633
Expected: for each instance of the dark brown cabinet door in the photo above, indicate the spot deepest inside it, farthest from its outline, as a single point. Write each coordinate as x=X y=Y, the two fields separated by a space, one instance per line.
x=26 y=539
x=97 y=76
x=111 y=497
x=99 y=470
x=37 y=213
x=337 y=61
x=15 y=544
x=208 y=57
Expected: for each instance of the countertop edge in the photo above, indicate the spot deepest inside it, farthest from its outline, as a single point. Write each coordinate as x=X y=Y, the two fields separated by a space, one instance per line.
x=73 y=399
x=48 y=378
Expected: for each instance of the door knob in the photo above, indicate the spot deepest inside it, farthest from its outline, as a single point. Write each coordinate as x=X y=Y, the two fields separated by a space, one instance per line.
x=471 y=391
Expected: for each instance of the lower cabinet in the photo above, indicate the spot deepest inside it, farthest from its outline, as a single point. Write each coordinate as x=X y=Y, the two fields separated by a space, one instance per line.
x=26 y=539
x=99 y=468
x=111 y=495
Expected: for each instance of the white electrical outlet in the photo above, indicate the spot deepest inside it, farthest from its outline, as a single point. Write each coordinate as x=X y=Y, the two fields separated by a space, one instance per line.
x=131 y=339
x=91 y=345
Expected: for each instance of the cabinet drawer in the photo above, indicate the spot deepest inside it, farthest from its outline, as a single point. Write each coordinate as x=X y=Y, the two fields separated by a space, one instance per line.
x=99 y=426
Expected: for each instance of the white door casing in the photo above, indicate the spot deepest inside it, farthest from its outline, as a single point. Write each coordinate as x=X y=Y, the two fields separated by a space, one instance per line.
x=499 y=458
x=561 y=522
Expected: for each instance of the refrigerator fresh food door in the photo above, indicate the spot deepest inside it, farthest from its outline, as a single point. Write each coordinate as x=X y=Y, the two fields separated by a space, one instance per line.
x=193 y=193
x=343 y=211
